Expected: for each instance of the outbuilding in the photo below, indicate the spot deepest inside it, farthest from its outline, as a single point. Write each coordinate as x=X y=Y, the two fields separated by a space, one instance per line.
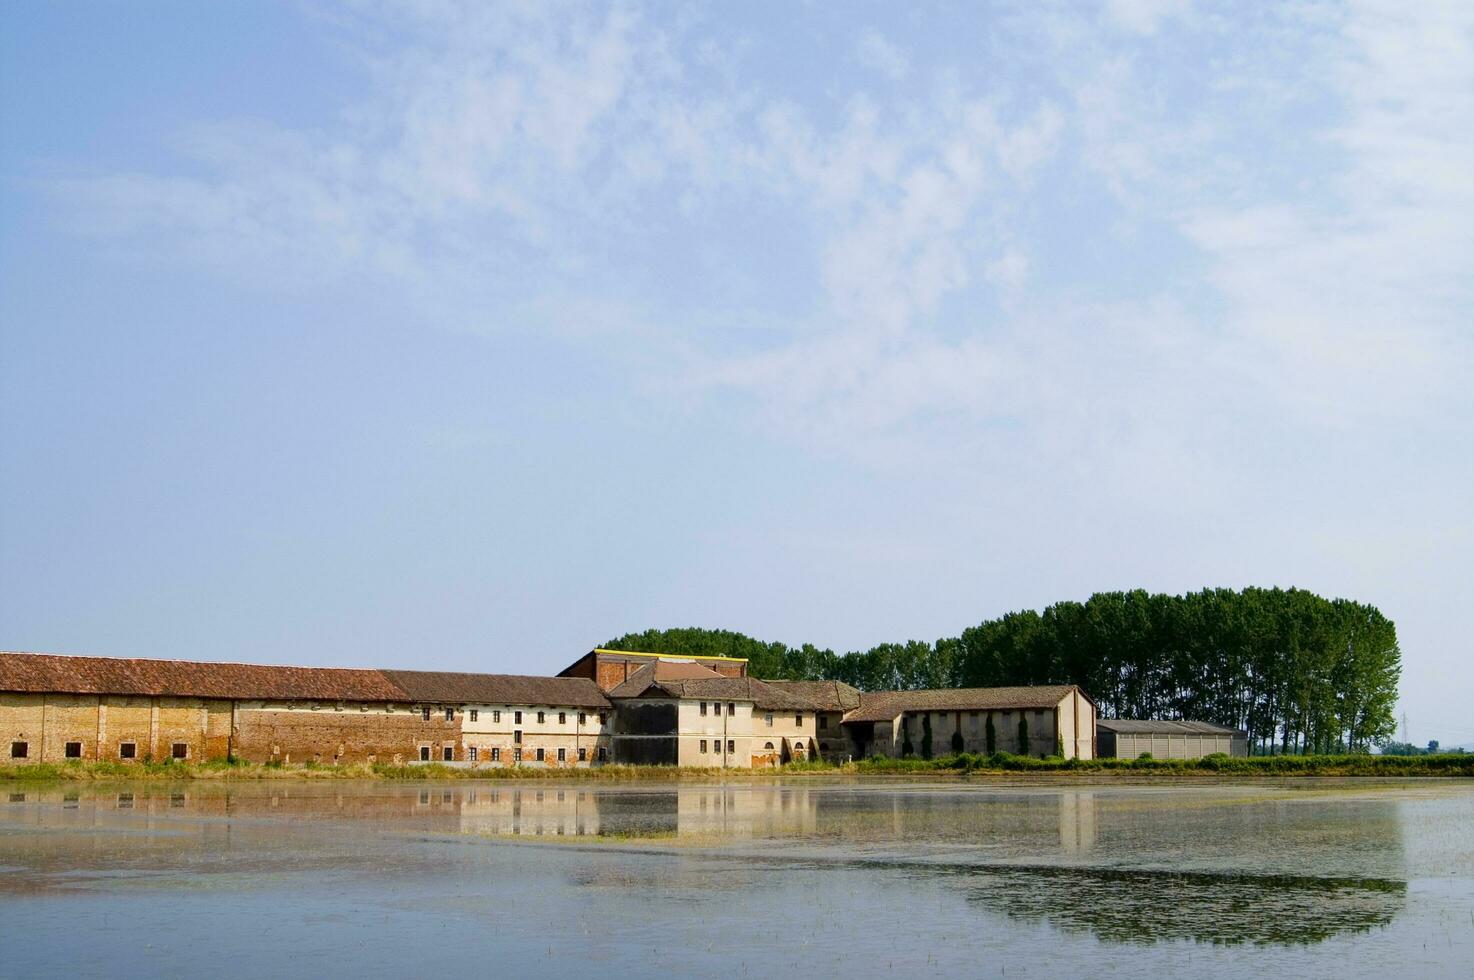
x=1128 y=738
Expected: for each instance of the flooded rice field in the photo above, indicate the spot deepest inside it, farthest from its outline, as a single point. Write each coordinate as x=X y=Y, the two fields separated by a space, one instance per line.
x=814 y=879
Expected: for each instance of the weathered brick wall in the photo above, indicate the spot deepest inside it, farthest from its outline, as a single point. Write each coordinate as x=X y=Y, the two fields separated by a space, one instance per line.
x=69 y=718
x=20 y=721
x=264 y=733
x=126 y=719
x=611 y=674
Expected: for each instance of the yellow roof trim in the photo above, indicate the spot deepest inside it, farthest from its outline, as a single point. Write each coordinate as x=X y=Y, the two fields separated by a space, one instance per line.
x=683 y=656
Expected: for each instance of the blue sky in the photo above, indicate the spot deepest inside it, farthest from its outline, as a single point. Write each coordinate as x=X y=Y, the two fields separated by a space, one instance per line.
x=469 y=336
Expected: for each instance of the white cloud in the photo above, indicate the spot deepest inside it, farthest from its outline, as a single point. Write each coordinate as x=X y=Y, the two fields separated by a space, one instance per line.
x=874 y=51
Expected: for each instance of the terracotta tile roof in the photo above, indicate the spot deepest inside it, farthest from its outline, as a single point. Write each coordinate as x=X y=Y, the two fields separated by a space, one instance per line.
x=826 y=695
x=443 y=686
x=645 y=682
x=40 y=672
x=1139 y=726
x=887 y=705
x=673 y=670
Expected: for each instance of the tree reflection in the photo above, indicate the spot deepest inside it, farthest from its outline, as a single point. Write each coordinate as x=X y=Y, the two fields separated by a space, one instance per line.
x=1135 y=906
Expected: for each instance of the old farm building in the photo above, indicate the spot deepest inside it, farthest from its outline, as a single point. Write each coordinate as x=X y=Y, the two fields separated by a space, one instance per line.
x=608 y=706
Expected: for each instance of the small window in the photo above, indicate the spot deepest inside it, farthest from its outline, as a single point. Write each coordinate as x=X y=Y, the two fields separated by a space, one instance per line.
x=768 y=719
x=471 y=752
x=603 y=753
x=424 y=753
x=731 y=708
x=768 y=746
x=583 y=717
x=517 y=717
x=179 y=750
x=541 y=717
x=517 y=736
x=496 y=755
x=703 y=746
x=516 y=755
x=496 y=716
x=20 y=750
x=703 y=707
x=731 y=747
x=798 y=719
x=562 y=755
x=539 y=755
x=127 y=750
x=474 y=714
x=603 y=717
x=74 y=750
x=425 y=712
x=450 y=714
x=583 y=755
x=823 y=723
x=448 y=753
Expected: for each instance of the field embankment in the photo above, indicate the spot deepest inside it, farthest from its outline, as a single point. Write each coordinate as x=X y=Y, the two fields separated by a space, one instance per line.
x=965 y=766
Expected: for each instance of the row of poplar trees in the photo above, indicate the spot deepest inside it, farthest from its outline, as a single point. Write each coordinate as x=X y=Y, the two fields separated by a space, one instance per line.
x=1298 y=672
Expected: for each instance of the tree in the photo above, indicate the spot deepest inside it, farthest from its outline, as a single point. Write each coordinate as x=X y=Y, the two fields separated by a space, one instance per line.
x=990 y=735
x=926 y=734
x=1023 y=734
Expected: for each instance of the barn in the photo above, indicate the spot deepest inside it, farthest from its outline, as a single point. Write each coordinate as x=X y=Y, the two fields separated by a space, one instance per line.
x=1128 y=738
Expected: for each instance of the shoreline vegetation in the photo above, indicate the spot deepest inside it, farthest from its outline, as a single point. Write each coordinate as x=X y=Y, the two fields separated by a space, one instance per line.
x=963 y=766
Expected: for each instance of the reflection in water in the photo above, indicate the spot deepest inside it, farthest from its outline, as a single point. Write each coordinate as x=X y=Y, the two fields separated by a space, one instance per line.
x=1089 y=860
x=1126 y=906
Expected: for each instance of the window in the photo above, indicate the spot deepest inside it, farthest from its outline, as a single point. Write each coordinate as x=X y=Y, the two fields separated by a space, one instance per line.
x=74 y=750
x=179 y=750
x=474 y=714
x=19 y=750
x=496 y=755
x=583 y=755
x=127 y=750
x=425 y=712
x=823 y=746
x=562 y=755
x=450 y=714
x=703 y=707
x=731 y=708
x=731 y=747
x=517 y=736
x=562 y=717
x=424 y=753
x=448 y=753
x=496 y=716
x=823 y=723
x=517 y=717
x=582 y=717
x=703 y=746
x=541 y=717
x=798 y=718
x=539 y=755
x=472 y=753
x=603 y=717
x=516 y=755
x=768 y=746
x=768 y=719
x=603 y=753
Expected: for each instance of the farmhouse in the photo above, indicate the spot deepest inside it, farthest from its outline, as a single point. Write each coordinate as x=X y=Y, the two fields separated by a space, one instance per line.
x=608 y=706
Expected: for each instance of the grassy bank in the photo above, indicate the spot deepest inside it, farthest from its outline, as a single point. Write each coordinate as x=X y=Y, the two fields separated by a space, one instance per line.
x=1222 y=765
x=949 y=766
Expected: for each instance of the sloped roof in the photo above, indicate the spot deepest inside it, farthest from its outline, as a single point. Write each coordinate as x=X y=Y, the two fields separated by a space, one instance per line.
x=887 y=705
x=1149 y=726
x=646 y=682
x=44 y=672
x=825 y=695
x=52 y=673
x=445 y=686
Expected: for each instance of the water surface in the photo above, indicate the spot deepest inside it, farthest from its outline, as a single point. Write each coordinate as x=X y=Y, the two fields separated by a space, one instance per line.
x=285 y=878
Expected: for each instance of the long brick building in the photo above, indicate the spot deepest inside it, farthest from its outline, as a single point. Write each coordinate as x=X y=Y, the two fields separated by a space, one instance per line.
x=608 y=706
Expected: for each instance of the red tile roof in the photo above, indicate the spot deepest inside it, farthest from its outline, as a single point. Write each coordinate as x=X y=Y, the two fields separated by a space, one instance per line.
x=887 y=705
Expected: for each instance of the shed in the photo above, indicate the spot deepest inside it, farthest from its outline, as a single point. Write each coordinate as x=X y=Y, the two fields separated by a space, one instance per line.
x=1128 y=738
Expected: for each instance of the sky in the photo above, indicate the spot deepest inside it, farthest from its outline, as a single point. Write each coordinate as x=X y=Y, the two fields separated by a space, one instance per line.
x=470 y=336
